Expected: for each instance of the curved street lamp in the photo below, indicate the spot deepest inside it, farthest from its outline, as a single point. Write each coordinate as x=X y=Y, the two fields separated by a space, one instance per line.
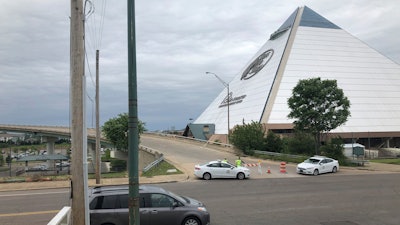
x=227 y=97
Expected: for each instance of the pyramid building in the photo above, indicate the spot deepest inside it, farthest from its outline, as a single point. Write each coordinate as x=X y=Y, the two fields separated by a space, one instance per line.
x=308 y=45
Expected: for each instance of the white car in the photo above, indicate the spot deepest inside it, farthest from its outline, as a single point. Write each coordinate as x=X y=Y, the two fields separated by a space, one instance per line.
x=220 y=169
x=40 y=167
x=63 y=164
x=318 y=165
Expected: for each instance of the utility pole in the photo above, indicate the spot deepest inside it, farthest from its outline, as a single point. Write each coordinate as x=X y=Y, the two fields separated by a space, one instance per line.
x=79 y=213
x=98 y=158
x=133 y=123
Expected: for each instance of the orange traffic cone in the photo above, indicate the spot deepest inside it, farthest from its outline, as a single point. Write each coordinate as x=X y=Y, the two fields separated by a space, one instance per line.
x=283 y=167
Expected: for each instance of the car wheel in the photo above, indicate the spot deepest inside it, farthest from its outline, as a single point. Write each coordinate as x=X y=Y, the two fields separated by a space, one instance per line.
x=334 y=170
x=240 y=176
x=316 y=172
x=207 y=176
x=191 y=221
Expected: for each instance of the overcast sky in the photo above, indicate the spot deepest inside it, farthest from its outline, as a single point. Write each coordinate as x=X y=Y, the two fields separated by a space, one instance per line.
x=177 y=42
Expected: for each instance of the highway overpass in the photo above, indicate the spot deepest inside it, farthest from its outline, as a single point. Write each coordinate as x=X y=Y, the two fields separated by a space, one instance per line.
x=50 y=134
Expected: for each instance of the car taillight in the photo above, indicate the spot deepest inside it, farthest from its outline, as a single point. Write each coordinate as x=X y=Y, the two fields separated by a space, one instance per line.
x=196 y=168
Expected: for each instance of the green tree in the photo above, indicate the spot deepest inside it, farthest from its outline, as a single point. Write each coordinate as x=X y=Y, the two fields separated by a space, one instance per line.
x=300 y=143
x=334 y=149
x=116 y=131
x=318 y=106
x=248 y=137
x=273 y=143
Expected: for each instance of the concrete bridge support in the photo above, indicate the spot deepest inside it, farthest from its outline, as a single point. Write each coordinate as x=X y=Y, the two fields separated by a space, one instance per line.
x=50 y=143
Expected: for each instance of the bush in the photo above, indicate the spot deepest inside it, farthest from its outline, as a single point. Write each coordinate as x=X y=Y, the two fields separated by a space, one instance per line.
x=273 y=143
x=248 y=151
x=301 y=143
x=334 y=149
x=118 y=164
x=248 y=137
x=107 y=156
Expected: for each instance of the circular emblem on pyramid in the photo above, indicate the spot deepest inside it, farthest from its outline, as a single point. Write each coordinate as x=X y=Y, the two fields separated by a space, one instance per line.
x=257 y=64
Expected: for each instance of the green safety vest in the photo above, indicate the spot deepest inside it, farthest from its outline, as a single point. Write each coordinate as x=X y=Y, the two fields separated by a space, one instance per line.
x=238 y=162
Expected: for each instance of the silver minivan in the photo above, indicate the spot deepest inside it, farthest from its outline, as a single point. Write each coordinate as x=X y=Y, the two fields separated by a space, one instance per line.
x=109 y=205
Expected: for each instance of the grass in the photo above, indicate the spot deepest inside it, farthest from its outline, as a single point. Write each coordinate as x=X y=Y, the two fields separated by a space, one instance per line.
x=395 y=161
x=161 y=169
x=3 y=169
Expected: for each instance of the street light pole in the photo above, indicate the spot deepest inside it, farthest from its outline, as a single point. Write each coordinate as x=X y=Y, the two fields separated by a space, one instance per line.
x=227 y=98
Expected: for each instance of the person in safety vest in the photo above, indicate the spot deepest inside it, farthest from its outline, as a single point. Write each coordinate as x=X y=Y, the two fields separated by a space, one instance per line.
x=238 y=162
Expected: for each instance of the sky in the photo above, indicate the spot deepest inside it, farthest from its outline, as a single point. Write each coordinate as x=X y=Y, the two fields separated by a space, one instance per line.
x=177 y=42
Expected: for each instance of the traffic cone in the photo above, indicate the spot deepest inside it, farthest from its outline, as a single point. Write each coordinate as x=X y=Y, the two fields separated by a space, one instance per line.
x=283 y=167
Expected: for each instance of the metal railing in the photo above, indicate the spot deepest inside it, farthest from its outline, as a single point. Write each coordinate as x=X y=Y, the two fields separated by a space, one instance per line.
x=153 y=164
x=62 y=217
x=277 y=154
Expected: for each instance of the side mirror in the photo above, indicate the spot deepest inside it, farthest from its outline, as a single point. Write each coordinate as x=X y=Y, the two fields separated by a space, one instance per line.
x=175 y=204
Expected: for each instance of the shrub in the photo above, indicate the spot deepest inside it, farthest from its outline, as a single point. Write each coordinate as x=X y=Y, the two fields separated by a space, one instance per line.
x=301 y=143
x=118 y=164
x=248 y=137
x=107 y=156
x=273 y=143
x=334 y=149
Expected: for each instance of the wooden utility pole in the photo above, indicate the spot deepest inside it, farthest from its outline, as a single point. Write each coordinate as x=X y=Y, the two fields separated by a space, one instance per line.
x=98 y=158
x=79 y=213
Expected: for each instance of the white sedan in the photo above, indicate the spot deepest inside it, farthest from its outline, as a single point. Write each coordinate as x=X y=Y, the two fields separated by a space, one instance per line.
x=317 y=165
x=220 y=169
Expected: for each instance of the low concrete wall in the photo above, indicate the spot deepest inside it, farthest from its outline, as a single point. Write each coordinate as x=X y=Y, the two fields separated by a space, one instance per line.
x=105 y=167
x=390 y=152
x=371 y=154
x=146 y=156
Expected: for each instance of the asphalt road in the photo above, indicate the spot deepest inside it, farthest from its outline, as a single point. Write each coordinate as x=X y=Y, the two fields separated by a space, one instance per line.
x=348 y=197
x=329 y=199
x=324 y=200
x=32 y=206
x=186 y=155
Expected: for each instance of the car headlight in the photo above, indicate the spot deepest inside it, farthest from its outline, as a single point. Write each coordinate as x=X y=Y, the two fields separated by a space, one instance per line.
x=202 y=209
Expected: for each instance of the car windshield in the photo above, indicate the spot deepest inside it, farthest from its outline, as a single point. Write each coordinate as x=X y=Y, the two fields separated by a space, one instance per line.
x=311 y=160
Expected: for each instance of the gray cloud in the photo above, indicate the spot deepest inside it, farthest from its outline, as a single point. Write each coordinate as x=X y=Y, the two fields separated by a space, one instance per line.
x=177 y=42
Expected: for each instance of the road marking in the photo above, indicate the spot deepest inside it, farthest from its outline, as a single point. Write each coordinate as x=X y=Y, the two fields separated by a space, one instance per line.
x=28 y=213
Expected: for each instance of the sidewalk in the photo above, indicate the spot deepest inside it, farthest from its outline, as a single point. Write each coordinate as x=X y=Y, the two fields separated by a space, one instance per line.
x=17 y=186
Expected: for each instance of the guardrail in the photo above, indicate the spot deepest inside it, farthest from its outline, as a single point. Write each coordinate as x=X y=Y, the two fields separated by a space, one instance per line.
x=276 y=154
x=153 y=164
x=62 y=217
